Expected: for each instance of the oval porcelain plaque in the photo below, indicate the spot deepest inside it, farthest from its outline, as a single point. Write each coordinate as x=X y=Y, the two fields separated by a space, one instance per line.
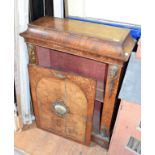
x=60 y=108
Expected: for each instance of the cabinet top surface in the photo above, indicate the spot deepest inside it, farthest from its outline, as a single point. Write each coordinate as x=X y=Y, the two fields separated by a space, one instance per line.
x=99 y=31
x=94 y=41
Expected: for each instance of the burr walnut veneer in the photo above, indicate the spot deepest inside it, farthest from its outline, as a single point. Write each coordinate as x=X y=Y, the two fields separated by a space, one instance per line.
x=75 y=70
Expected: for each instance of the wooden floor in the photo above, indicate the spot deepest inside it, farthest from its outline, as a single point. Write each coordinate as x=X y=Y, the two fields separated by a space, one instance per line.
x=38 y=142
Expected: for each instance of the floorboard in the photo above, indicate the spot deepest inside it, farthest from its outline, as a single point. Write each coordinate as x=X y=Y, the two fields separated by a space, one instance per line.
x=38 y=142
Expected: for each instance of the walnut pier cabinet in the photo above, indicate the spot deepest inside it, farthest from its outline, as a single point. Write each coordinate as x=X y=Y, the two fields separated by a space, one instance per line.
x=75 y=69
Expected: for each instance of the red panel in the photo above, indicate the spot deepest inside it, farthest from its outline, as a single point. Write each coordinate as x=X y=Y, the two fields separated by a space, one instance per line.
x=68 y=62
x=43 y=56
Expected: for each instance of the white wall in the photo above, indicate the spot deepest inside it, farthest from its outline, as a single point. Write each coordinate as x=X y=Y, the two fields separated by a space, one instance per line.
x=127 y=11
x=21 y=61
x=58 y=8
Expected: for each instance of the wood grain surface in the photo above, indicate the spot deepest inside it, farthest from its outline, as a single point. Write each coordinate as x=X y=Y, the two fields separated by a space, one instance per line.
x=111 y=90
x=77 y=36
x=77 y=93
x=38 y=142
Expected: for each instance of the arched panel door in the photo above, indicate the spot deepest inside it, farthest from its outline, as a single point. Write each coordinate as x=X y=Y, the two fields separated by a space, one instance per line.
x=63 y=102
